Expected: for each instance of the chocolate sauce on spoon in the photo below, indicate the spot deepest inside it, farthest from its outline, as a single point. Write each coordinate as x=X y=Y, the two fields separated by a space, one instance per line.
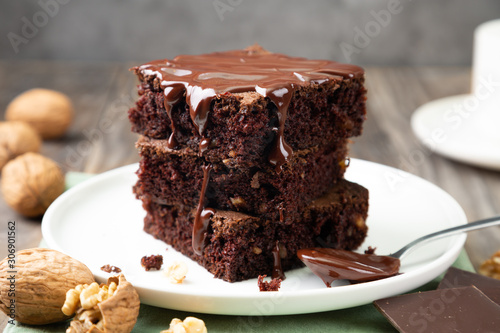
x=332 y=264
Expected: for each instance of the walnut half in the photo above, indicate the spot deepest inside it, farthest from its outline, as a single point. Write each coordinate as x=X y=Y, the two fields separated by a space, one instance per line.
x=111 y=307
x=491 y=267
x=189 y=325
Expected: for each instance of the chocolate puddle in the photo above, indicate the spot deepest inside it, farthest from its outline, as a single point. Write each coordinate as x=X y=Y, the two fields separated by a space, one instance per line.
x=333 y=264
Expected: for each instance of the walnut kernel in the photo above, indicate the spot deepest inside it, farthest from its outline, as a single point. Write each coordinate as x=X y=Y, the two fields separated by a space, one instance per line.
x=30 y=183
x=189 y=325
x=49 y=112
x=87 y=296
x=360 y=222
x=176 y=271
x=256 y=250
x=111 y=307
x=491 y=267
x=238 y=201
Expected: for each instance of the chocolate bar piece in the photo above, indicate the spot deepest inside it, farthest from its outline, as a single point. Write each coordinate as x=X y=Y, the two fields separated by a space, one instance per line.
x=464 y=309
x=459 y=278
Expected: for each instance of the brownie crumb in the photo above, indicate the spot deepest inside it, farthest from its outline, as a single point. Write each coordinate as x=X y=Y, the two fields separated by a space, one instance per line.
x=273 y=285
x=152 y=262
x=110 y=269
x=371 y=250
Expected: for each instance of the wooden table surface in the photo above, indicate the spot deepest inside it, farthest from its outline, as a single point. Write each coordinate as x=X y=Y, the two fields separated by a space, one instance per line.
x=104 y=91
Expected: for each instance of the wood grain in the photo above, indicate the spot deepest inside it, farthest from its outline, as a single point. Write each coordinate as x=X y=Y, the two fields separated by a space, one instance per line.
x=100 y=137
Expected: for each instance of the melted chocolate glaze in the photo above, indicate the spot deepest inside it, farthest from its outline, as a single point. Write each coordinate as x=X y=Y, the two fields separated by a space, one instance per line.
x=202 y=217
x=333 y=264
x=173 y=95
x=275 y=76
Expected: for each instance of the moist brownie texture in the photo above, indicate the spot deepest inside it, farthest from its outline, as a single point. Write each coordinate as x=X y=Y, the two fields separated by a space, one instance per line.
x=174 y=177
x=243 y=155
x=241 y=127
x=240 y=246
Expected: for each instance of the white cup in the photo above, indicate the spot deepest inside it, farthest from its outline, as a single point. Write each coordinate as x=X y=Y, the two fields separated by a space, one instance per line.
x=486 y=76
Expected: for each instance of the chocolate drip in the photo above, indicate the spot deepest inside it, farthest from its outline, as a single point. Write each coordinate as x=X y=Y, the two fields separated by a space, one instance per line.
x=204 y=144
x=199 y=101
x=332 y=264
x=173 y=96
x=281 y=151
x=275 y=76
x=277 y=269
x=202 y=217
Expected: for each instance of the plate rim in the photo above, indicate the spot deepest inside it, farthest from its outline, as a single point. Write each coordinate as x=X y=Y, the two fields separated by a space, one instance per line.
x=437 y=266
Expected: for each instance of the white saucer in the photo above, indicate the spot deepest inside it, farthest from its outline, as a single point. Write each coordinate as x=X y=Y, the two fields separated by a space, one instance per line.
x=453 y=128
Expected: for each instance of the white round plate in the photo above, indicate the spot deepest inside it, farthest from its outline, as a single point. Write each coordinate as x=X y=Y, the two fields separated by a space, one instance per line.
x=453 y=127
x=100 y=222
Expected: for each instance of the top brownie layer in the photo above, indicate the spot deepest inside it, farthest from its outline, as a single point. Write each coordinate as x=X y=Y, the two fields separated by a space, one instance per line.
x=249 y=104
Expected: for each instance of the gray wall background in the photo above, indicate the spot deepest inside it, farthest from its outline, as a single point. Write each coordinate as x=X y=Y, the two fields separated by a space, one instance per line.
x=366 y=32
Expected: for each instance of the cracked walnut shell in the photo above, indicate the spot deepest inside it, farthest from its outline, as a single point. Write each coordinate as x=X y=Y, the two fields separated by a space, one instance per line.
x=30 y=183
x=41 y=279
x=49 y=112
x=111 y=308
x=17 y=138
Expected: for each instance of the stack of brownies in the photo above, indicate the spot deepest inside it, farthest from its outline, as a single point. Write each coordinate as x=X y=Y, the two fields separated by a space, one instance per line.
x=243 y=155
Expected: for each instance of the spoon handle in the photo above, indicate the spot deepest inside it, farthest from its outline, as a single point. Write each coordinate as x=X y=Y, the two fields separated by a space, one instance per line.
x=448 y=232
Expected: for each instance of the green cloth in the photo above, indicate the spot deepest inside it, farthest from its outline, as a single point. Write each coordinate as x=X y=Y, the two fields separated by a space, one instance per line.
x=359 y=319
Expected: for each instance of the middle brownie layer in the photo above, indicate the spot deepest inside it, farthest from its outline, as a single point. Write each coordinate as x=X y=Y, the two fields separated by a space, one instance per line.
x=175 y=177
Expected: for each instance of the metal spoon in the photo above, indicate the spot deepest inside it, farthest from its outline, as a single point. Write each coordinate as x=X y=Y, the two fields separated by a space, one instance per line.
x=489 y=222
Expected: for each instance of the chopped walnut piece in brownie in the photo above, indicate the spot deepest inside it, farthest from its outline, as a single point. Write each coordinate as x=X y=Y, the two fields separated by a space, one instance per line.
x=273 y=285
x=152 y=262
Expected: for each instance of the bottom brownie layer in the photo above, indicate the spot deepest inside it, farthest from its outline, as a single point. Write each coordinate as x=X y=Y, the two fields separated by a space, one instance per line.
x=240 y=246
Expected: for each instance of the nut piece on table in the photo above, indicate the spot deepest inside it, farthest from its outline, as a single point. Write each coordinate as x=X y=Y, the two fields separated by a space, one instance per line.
x=17 y=138
x=189 y=325
x=106 y=308
x=491 y=267
x=30 y=183
x=49 y=112
x=176 y=271
x=41 y=280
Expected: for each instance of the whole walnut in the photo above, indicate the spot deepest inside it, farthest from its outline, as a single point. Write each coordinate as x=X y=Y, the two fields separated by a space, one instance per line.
x=17 y=138
x=33 y=284
x=30 y=183
x=49 y=112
